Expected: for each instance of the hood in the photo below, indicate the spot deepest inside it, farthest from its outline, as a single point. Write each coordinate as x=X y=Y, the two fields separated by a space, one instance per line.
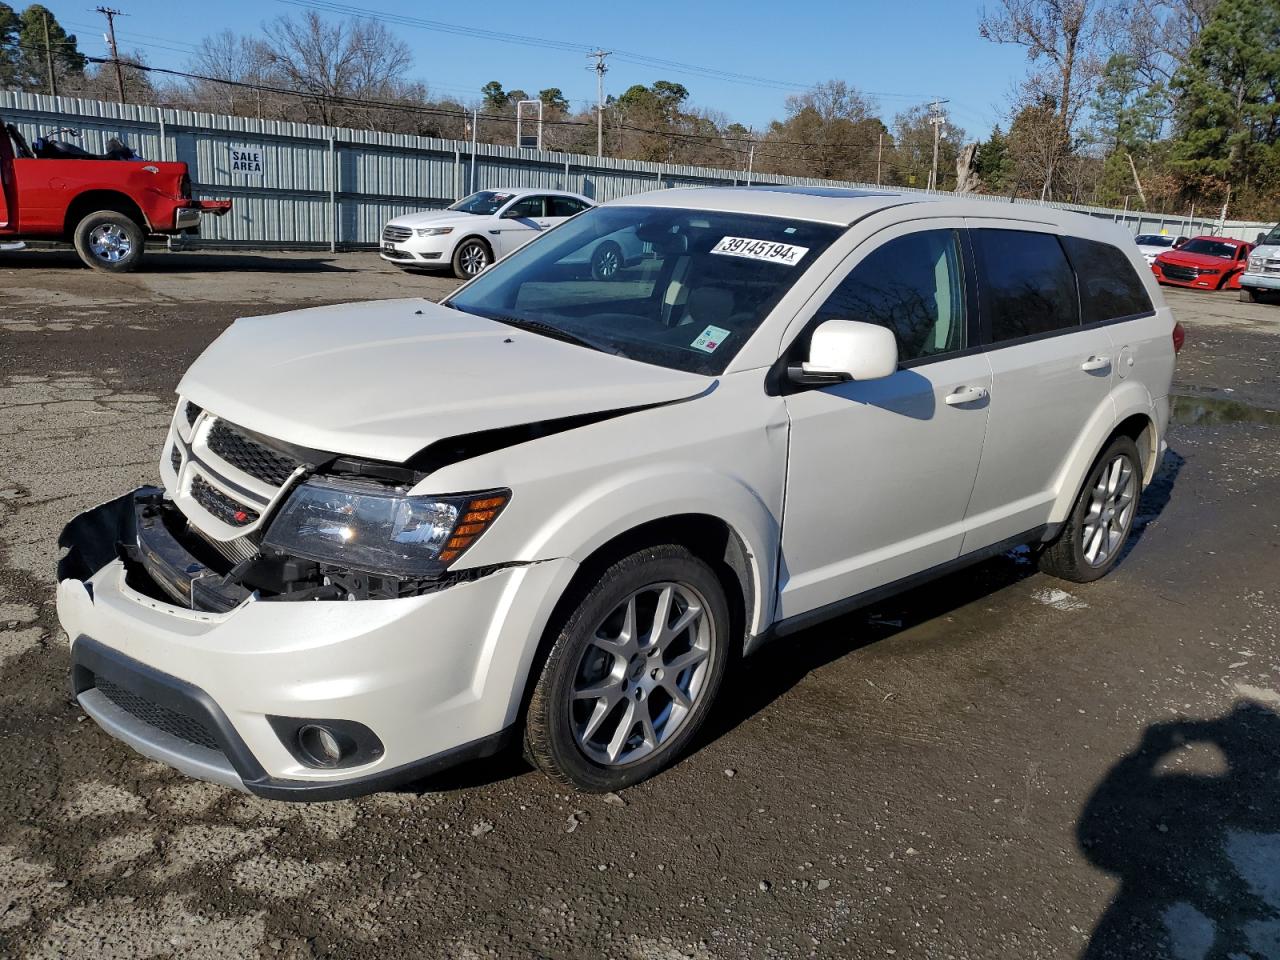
x=1155 y=248
x=1196 y=259
x=383 y=380
x=435 y=218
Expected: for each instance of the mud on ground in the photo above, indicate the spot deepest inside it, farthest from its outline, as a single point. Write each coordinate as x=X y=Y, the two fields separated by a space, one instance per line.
x=997 y=765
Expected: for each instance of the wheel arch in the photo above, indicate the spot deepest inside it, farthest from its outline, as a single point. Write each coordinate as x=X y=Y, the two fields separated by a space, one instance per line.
x=91 y=201
x=1130 y=411
x=708 y=537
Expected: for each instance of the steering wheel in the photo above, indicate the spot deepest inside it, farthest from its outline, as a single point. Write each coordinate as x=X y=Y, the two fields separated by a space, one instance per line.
x=22 y=151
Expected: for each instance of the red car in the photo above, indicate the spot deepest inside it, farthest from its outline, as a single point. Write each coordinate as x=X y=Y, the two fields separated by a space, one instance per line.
x=1204 y=263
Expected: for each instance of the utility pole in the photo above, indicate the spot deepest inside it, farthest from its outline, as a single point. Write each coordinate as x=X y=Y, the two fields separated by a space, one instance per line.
x=475 y=139
x=111 y=15
x=48 y=57
x=751 y=162
x=938 y=119
x=600 y=70
x=879 y=156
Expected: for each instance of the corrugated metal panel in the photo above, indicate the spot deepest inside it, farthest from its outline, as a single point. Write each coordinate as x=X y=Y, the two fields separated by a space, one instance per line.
x=382 y=175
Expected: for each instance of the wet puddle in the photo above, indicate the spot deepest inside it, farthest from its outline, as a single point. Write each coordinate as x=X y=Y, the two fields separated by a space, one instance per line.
x=1207 y=411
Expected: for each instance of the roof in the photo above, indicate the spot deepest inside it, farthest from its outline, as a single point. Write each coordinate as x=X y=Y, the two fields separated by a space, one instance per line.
x=833 y=205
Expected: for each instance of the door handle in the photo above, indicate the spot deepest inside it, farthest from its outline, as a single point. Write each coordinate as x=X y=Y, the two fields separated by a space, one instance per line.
x=1096 y=363
x=964 y=395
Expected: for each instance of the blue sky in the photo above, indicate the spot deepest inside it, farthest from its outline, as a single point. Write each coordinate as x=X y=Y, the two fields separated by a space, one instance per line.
x=903 y=52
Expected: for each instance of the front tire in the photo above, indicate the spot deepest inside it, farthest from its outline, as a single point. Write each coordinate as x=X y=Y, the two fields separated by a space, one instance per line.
x=109 y=241
x=471 y=258
x=1248 y=296
x=1091 y=541
x=632 y=674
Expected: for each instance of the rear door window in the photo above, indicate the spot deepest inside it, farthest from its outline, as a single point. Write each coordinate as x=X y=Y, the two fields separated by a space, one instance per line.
x=1109 y=286
x=1027 y=286
x=565 y=206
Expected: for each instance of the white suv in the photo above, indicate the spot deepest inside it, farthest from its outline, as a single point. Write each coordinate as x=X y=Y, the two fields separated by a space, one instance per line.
x=1262 y=276
x=551 y=509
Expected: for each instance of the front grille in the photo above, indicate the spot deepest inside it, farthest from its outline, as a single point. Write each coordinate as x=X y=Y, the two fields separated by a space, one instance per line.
x=247 y=454
x=161 y=717
x=1175 y=272
x=397 y=254
x=393 y=234
x=191 y=412
x=230 y=511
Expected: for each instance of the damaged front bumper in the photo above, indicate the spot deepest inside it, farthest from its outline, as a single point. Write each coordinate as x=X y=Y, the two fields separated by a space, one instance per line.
x=190 y=668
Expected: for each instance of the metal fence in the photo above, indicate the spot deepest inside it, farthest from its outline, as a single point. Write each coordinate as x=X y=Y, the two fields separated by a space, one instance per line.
x=301 y=185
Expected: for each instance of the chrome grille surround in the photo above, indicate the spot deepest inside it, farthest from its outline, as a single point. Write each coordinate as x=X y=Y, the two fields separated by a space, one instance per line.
x=225 y=481
x=396 y=234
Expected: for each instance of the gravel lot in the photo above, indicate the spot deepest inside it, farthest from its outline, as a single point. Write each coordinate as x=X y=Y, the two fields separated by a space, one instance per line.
x=992 y=766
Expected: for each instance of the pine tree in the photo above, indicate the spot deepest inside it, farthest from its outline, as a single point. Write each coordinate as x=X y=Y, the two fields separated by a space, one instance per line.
x=1228 y=123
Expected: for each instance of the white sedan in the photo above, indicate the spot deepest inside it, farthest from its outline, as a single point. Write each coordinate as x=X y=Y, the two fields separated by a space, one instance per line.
x=477 y=230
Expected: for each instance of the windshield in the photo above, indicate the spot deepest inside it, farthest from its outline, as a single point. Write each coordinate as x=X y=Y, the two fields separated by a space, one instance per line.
x=678 y=288
x=1273 y=238
x=1153 y=240
x=485 y=203
x=1210 y=248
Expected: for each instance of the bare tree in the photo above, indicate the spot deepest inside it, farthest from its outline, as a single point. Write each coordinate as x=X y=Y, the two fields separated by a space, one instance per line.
x=332 y=63
x=1159 y=34
x=1063 y=39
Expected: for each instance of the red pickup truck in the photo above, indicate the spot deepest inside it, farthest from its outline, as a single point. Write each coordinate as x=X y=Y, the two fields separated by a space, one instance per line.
x=105 y=207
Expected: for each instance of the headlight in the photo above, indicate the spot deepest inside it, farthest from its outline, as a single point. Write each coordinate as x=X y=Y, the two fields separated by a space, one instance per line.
x=376 y=529
x=1209 y=271
x=1255 y=263
x=434 y=231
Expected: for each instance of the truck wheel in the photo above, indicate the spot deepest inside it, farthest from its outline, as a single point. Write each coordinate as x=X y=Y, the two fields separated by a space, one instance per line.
x=110 y=241
x=1248 y=296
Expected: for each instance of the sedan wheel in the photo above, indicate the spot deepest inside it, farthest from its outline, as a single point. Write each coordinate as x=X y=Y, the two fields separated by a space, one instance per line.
x=471 y=258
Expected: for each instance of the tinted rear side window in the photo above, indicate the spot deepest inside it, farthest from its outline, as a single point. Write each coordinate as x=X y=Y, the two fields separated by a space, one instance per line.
x=1109 y=287
x=1027 y=288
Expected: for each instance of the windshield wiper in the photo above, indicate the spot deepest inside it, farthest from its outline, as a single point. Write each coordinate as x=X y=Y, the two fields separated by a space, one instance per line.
x=552 y=331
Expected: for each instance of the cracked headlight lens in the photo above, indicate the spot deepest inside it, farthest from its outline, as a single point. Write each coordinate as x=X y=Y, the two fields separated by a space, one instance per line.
x=373 y=528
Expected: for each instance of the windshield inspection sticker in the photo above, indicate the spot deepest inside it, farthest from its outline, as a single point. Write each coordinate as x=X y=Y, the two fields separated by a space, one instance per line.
x=710 y=338
x=765 y=250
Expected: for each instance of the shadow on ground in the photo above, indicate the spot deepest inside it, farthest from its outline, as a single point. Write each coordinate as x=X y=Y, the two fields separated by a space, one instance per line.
x=161 y=261
x=1189 y=823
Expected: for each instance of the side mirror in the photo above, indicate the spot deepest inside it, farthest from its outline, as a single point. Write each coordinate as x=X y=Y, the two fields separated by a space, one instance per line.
x=848 y=350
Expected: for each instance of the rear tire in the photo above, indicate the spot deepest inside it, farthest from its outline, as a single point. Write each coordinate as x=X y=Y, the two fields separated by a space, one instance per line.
x=619 y=698
x=606 y=261
x=109 y=241
x=471 y=258
x=1091 y=541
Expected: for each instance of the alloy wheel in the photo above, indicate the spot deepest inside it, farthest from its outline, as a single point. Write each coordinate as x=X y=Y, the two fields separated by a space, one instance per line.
x=1110 y=514
x=473 y=259
x=110 y=243
x=642 y=675
x=606 y=262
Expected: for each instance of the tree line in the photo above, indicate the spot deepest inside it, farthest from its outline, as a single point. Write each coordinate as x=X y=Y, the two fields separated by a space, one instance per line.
x=1157 y=104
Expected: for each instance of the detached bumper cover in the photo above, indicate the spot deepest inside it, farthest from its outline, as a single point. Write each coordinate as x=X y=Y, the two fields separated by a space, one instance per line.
x=438 y=678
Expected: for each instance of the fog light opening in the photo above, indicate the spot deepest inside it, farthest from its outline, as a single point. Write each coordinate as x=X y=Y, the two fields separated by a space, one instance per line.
x=320 y=745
